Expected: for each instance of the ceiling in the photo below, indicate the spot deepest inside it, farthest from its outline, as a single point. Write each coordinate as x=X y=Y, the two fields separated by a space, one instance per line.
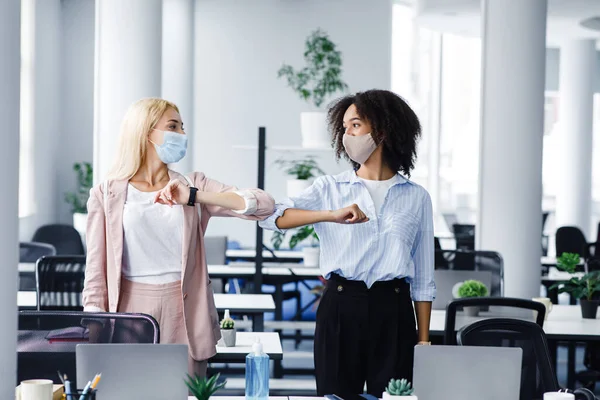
x=463 y=17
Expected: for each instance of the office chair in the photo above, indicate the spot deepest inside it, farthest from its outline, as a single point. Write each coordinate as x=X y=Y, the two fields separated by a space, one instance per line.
x=64 y=238
x=30 y=252
x=59 y=283
x=474 y=260
x=47 y=340
x=498 y=307
x=537 y=373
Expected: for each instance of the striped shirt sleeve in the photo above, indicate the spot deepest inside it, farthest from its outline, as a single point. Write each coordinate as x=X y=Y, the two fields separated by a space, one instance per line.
x=423 y=285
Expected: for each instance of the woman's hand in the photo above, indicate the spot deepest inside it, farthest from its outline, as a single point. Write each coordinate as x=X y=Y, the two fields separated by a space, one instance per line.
x=349 y=215
x=176 y=192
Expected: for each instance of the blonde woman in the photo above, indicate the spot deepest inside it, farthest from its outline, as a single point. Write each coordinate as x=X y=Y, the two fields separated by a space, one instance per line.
x=144 y=257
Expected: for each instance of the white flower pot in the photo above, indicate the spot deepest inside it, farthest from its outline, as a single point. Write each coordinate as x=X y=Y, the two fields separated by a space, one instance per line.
x=387 y=396
x=80 y=224
x=297 y=186
x=313 y=126
x=311 y=256
x=228 y=336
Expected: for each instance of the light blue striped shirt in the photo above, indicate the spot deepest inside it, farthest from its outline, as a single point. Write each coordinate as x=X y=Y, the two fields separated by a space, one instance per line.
x=396 y=242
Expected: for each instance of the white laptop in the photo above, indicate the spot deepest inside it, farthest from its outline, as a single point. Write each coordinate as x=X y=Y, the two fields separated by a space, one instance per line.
x=134 y=371
x=467 y=373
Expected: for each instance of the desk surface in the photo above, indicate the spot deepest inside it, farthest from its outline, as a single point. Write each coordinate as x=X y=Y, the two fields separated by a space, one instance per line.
x=243 y=345
x=564 y=322
x=242 y=303
x=272 y=269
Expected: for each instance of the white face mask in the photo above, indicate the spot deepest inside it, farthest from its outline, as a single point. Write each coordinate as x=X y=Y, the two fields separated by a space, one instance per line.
x=173 y=148
x=359 y=148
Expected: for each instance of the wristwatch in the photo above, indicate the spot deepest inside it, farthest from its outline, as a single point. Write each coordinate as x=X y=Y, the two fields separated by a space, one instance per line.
x=192 y=200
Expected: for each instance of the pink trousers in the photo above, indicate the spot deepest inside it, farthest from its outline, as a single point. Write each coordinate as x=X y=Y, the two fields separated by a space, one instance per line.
x=164 y=303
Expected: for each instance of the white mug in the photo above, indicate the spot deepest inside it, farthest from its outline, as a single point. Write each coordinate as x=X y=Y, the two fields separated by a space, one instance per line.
x=547 y=302
x=36 y=389
x=558 y=396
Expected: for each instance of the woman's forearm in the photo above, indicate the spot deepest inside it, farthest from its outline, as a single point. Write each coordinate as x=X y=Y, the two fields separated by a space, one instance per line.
x=293 y=218
x=229 y=200
x=423 y=311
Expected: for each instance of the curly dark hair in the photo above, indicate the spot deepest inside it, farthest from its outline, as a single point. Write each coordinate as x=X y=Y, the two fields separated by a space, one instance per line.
x=392 y=121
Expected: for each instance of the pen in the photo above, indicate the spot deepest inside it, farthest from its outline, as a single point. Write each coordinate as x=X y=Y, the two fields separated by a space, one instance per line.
x=68 y=389
x=96 y=381
x=86 y=390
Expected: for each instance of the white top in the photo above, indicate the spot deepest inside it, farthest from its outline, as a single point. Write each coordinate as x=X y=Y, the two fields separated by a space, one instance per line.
x=378 y=190
x=152 y=239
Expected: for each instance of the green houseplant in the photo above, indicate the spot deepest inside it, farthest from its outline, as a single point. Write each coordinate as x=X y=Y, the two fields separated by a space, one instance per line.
x=302 y=171
x=78 y=199
x=310 y=252
x=317 y=81
x=399 y=388
x=584 y=288
x=228 y=332
x=472 y=288
x=203 y=388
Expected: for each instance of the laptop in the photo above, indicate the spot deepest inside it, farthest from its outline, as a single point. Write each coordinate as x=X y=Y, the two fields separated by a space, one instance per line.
x=448 y=281
x=134 y=371
x=467 y=373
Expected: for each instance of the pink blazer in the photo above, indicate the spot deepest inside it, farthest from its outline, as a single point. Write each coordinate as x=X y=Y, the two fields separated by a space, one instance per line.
x=105 y=252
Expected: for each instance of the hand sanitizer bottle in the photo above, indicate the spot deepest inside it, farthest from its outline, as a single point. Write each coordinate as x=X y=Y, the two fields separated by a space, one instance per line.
x=257 y=373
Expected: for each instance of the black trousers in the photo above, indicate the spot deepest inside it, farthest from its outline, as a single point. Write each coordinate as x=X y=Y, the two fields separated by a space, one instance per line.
x=363 y=335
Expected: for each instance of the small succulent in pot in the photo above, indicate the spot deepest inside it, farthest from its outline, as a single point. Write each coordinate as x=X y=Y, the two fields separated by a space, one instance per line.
x=228 y=330
x=399 y=388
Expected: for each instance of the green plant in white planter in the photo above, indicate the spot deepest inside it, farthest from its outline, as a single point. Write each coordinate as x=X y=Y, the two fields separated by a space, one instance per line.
x=78 y=199
x=399 y=389
x=302 y=171
x=319 y=80
x=584 y=288
x=228 y=330
x=310 y=252
x=203 y=388
x=472 y=288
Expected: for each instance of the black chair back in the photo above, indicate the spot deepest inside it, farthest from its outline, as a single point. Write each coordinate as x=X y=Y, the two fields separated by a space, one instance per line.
x=64 y=238
x=59 y=283
x=471 y=260
x=47 y=339
x=570 y=239
x=30 y=252
x=498 y=307
x=537 y=373
x=465 y=236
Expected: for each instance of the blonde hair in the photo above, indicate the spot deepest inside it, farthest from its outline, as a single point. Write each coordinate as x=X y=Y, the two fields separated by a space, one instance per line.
x=141 y=117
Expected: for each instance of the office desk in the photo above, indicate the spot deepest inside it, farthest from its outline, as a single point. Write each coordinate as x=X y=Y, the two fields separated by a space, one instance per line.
x=252 y=304
x=244 y=340
x=564 y=324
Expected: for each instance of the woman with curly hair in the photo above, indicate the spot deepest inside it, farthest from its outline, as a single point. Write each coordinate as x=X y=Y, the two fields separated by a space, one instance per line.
x=378 y=259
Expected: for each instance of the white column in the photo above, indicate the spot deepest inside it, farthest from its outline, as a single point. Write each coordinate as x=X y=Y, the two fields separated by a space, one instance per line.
x=512 y=119
x=576 y=86
x=127 y=68
x=10 y=54
x=178 y=67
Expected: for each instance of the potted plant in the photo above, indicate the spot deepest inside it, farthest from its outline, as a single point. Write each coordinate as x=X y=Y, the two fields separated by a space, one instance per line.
x=399 y=389
x=472 y=288
x=228 y=330
x=310 y=252
x=78 y=199
x=303 y=171
x=203 y=388
x=583 y=288
x=319 y=79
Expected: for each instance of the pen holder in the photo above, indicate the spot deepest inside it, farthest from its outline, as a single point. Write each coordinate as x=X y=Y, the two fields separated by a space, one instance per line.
x=77 y=395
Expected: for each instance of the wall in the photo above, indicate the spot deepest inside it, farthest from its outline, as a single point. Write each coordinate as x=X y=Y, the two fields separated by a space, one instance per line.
x=45 y=113
x=77 y=97
x=239 y=46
